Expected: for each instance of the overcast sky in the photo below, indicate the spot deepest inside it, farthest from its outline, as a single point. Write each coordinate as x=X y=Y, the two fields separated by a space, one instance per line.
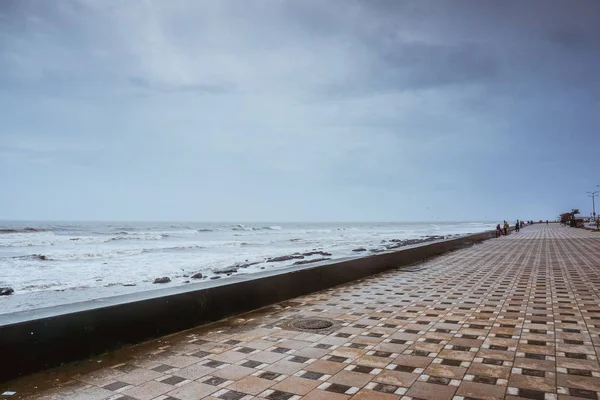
x=300 y=110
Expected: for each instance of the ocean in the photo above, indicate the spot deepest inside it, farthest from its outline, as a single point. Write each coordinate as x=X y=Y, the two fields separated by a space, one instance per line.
x=56 y=263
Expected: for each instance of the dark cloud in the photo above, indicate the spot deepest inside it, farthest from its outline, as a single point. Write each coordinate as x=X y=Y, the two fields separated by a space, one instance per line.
x=574 y=39
x=408 y=66
x=420 y=65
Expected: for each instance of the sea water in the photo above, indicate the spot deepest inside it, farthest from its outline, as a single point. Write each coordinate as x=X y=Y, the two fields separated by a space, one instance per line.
x=56 y=263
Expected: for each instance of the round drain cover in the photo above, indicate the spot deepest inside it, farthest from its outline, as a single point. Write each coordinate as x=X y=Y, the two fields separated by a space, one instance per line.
x=312 y=324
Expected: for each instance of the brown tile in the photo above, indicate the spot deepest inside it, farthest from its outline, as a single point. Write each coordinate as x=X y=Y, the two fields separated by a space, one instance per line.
x=318 y=394
x=563 y=362
x=547 y=385
x=413 y=361
x=251 y=384
x=364 y=394
x=297 y=385
x=325 y=367
x=489 y=370
x=430 y=391
x=457 y=355
x=396 y=378
x=544 y=365
x=581 y=382
x=481 y=391
x=372 y=361
x=445 y=371
x=350 y=378
x=348 y=352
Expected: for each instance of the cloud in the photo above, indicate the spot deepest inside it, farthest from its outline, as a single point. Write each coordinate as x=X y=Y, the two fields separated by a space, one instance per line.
x=172 y=88
x=297 y=110
x=402 y=66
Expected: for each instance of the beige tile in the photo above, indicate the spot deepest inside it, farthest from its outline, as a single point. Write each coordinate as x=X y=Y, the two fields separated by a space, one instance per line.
x=139 y=376
x=193 y=391
x=148 y=390
x=233 y=372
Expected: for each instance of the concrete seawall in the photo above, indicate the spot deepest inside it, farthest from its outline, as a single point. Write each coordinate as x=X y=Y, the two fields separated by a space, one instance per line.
x=31 y=341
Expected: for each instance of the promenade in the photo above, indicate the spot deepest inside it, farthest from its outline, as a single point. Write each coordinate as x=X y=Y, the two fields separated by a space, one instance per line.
x=510 y=318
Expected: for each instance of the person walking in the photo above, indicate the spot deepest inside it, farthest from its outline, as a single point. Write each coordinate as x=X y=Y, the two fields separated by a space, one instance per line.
x=517 y=226
x=505 y=228
x=498 y=230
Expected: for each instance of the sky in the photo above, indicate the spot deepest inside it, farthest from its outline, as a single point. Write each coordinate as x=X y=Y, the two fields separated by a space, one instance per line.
x=277 y=110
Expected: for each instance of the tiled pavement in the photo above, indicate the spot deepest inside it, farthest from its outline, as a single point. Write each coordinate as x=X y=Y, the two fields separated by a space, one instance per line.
x=514 y=317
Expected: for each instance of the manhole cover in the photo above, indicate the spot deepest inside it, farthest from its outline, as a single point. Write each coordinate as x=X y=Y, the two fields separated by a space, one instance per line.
x=321 y=326
x=312 y=324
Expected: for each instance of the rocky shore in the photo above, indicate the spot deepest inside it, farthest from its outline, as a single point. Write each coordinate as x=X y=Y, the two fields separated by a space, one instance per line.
x=308 y=257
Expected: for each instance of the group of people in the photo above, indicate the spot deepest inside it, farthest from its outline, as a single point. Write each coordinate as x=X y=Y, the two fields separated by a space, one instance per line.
x=503 y=229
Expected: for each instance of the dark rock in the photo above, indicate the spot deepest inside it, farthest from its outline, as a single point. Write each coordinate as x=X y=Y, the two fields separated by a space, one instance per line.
x=41 y=257
x=311 y=261
x=186 y=276
x=314 y=253
x=74 y=239
x=246 y=265
x=186 y=281
x=129 y=284
x=229 y=271
x=197 y=276
x=164 y=279
x=285 y=258
x=215 y=277
x=6 y=291
x=360 y=249
x=262 y=267
x=434 y=237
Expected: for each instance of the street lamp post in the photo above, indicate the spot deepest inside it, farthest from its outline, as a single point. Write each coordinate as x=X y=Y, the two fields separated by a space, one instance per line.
x=593 y=196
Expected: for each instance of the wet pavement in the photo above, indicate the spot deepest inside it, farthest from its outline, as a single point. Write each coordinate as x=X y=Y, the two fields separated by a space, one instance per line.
x=515 y=317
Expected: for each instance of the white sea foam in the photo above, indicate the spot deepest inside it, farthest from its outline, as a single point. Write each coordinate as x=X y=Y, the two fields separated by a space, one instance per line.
x=58 y=263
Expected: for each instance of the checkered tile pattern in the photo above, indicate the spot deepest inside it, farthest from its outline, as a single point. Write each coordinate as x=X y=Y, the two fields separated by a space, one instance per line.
x=516 y=317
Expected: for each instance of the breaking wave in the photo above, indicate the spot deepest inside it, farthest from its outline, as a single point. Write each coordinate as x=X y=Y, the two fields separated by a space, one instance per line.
x=256 y=228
